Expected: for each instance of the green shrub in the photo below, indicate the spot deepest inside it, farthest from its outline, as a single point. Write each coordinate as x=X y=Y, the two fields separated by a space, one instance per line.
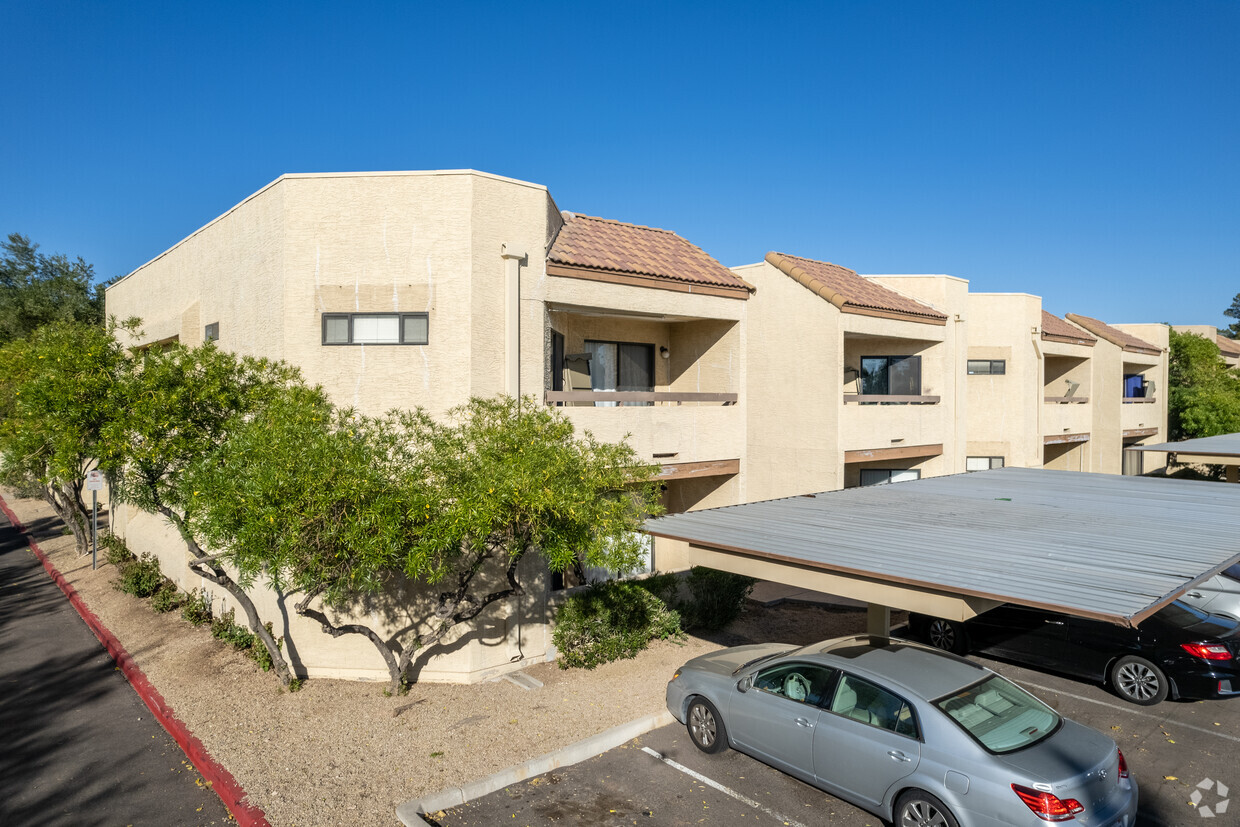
x=197 y=608
x=610 y=621
x=226 y=629
x=665 y=586
x=168 y=598
x=715 y=597
x=115 y=550
x=141 y=578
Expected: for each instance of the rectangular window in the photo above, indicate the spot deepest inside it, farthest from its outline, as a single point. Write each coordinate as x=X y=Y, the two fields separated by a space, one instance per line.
x=212 y=332
x=375 y=328
x=982 y=463
x=621 y=366
x=1134 y=386
x=891 y=375
x=992 y=367
x=882 y=476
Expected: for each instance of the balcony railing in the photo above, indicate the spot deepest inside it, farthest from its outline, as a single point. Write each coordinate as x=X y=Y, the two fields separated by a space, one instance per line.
x=1139 y=400
x=1065 y=400
x=890 y=399
x=556 y=397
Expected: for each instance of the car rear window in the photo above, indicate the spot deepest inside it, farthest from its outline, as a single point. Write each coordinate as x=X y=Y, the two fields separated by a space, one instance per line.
x=1180 y=614
x=999 y=715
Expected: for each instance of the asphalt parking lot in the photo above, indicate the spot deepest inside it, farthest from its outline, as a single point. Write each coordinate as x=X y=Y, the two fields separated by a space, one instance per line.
x=1173 y=749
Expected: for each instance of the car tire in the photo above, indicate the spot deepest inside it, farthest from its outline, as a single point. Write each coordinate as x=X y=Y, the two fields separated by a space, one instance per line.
x=706 y=729
x=948 y=635
x=1138 y=681
x=917 y=808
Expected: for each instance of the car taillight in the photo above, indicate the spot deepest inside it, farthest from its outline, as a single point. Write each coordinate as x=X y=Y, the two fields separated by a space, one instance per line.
x=1046 y=806
x=1123 y=765
x=1207 y=651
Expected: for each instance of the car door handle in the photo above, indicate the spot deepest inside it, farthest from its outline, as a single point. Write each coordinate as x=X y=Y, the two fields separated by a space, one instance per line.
x=805 y=722
x=1054 y=623
x=1194 y=595
x=899 y=756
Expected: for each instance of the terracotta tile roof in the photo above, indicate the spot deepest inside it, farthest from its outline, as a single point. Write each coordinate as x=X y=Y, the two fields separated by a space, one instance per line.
x=850 y=292
x=1057 y=330
x=1113 y=335
x=1229 y=347
x=605 y=246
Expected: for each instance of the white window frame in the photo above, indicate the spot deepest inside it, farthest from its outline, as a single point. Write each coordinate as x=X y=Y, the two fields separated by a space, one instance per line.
x=990 y=463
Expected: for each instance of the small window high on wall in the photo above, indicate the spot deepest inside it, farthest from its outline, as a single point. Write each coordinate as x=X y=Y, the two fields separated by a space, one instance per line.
x=375 y=328
x=982 y=463
x=882 y=476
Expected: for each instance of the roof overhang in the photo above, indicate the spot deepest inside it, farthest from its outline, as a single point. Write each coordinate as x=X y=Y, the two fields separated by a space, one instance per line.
x=1103 y=546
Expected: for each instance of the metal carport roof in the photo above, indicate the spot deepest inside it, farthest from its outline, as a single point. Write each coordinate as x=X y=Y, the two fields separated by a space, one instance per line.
x=1096 y=545
x=1226 y=446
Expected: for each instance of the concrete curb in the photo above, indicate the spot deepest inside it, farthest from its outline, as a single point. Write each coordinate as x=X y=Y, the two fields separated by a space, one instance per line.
x=220 y=779
x=410 y=813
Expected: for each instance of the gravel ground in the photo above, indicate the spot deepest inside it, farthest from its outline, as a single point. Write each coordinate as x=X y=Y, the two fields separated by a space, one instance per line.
x=340 y=752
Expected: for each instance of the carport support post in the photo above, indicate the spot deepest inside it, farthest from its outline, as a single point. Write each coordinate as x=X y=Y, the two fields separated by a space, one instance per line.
x=877 y=620
x=1233 y=473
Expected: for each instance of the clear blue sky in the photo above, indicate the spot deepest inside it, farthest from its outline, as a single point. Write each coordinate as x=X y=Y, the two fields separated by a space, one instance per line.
x=1083 y=151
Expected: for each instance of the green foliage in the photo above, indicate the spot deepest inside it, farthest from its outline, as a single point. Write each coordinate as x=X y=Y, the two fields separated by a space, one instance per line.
x=141 y=577
x=168 y=599
x=715 y=597
x=226 y=628
x=1233 y=330
x=57 y=394
x=610 y=621
x=36 y=289
x=115 y=550
x=1204 y=397
x=704 y=598
x=197 y=608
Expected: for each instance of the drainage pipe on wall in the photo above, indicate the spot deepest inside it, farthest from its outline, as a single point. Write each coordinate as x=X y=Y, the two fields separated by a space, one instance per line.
x=513 y=259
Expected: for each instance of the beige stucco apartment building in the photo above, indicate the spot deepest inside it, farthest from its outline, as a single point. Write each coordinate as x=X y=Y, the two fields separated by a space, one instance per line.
x=784 y=377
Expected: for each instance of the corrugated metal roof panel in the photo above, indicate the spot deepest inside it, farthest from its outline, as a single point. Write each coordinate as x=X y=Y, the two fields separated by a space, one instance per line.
x=1219 y=446
x=1094 y=544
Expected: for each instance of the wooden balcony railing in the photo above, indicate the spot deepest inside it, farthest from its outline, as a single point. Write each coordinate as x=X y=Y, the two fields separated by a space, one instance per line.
x=590 y=397
x=1065 y=400
x=890 y=399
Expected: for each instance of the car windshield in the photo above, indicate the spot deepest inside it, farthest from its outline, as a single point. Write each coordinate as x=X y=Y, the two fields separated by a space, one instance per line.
x=999 y=715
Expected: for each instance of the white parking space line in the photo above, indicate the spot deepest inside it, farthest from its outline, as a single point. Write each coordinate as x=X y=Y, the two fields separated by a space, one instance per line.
x=1129 y=710
x=721 y=788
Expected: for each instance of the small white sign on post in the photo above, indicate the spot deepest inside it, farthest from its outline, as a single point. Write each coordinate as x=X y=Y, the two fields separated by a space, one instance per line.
x=94 y=480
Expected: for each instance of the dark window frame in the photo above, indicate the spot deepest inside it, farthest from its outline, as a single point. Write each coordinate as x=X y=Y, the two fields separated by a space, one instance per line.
x=647 y=346
x=211 y=333
x=400 y=324
x=888 y=471
x=864 y=378
x=1002 y=463
x=990 y=367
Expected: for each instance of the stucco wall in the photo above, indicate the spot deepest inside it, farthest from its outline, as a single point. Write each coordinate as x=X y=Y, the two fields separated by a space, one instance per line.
x=1004 y=410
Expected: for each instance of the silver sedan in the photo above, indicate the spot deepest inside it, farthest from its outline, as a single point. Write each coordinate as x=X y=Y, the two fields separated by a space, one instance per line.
x=916 y=736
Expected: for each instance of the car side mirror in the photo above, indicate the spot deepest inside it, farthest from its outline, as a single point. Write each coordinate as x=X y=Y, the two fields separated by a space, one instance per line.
x=745 y=683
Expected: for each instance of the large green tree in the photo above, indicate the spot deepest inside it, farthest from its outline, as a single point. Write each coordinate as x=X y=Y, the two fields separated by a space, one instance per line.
x=36 y=289
x=181 y=404
x=58 y=392
x=422 y=522
x=1204 y=397
x=1233 y=330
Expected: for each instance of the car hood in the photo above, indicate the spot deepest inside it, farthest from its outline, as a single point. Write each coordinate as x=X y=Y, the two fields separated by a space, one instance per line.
x=727 y=661
x=1070 y=752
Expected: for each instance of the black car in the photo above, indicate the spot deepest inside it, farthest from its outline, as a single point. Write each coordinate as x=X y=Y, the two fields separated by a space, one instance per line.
x=1178 y=652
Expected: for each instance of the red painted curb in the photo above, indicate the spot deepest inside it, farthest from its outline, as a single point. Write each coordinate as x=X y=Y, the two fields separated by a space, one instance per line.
x=221 y=780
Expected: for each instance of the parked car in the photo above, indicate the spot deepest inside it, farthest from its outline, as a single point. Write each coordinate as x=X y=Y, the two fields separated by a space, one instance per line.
x=1219 y=595
x=914 y=735
x=1178 y=652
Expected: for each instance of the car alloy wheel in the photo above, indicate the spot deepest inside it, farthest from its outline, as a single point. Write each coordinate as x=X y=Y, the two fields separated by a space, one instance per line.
x=705 y=727
x=1139 y=681
x=946 y=635
x=918 y=809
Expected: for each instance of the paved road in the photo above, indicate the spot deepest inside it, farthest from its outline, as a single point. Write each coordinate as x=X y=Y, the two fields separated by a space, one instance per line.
x=77 y=745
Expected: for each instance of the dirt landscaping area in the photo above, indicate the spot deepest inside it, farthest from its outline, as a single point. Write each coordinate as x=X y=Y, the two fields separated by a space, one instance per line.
x=340 y=752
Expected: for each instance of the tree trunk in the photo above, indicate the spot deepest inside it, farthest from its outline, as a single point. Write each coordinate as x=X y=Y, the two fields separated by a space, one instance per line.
x=396 y=668
x=204 y=565
x=67 y=511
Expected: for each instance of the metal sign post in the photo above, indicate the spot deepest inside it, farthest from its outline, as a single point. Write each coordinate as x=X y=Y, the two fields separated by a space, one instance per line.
x=94 y=484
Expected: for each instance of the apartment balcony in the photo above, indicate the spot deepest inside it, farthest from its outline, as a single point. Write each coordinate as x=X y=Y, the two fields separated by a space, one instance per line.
x=667 y=427
x=866 y=426
x=1140 y=413
x=1071 y=416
